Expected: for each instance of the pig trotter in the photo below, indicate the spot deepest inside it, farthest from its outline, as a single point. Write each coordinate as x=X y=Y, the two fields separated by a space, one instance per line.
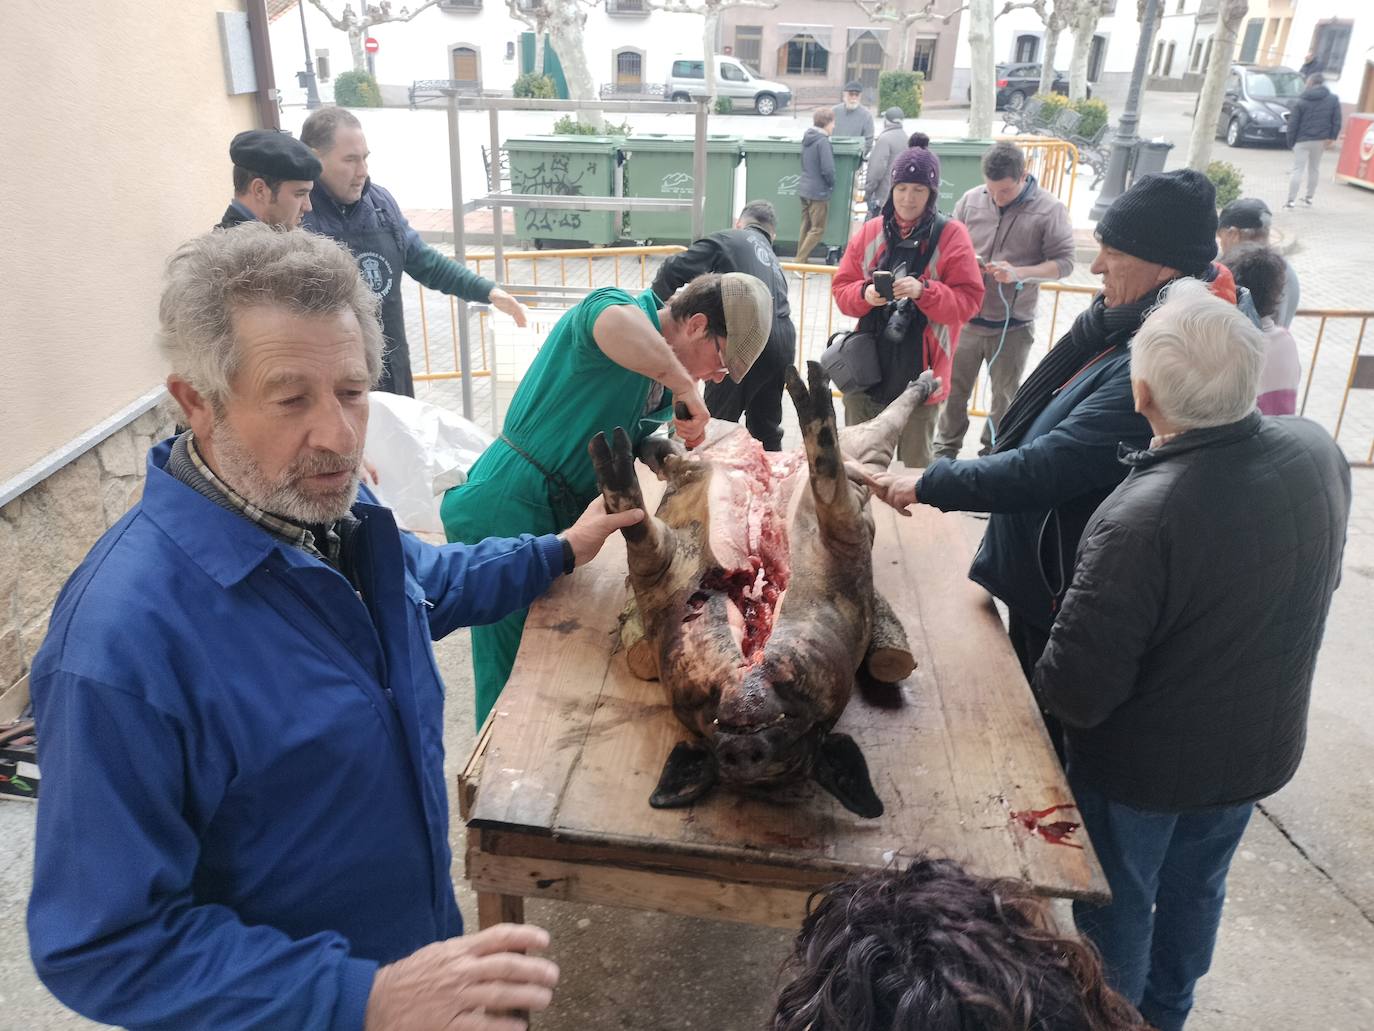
x=689 y=773
x=615 y=475
x=656 y=452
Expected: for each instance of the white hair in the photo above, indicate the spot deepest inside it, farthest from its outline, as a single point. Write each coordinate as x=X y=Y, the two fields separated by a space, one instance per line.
x=1200 y=356
x=211 y=277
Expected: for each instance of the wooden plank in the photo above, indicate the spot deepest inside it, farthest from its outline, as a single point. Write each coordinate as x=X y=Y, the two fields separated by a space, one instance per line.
x=999 y=753
x=540 y=720
x=636 y=889
x=494 y=908
x=634 y=856
x=471 y=776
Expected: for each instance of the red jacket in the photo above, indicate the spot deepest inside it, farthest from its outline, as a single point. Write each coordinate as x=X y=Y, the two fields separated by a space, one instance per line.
x=952 y=295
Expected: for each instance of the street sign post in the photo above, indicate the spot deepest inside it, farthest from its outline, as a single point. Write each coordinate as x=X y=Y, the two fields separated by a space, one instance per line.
x=371 y=45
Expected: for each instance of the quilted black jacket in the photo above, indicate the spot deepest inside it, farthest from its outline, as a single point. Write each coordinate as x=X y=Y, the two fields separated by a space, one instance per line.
x=1182 y=657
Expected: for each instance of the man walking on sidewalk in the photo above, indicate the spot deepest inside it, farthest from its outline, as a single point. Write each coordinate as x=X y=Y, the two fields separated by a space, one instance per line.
x=1022 y=234
x=1312 y=128
x=817 y=181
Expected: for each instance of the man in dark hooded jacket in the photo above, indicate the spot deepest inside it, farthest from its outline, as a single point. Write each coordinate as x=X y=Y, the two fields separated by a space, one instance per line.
x=817 y=181
x=1312 y=128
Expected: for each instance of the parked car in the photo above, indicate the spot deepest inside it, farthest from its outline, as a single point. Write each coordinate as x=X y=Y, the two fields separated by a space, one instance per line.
x=733 y=80
x=1016 y=83
x=1257 y=104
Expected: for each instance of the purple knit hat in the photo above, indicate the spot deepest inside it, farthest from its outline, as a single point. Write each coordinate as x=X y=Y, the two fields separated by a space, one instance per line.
x=918 y=164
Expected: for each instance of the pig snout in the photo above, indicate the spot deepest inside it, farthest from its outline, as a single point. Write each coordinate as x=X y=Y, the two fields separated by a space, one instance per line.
x=762 y=755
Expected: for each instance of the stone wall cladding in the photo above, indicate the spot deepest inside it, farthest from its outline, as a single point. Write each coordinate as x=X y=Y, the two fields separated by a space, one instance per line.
x=47 y=531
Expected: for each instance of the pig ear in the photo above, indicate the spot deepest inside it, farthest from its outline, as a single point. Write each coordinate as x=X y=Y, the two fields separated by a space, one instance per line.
x=841 y=770
x=689 y=773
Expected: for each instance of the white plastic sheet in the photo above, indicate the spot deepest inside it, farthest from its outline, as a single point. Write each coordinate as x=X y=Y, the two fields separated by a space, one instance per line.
x=420 y=450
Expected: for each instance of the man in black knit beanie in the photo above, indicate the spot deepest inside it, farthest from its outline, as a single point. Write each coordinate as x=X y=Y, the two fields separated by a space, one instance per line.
x=1054 y=456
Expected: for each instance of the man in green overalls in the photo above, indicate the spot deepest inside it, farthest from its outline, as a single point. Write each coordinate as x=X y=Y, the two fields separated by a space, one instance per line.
x=615 y=359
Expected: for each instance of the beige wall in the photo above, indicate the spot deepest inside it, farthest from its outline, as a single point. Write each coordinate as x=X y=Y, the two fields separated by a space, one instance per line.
x=115 y=124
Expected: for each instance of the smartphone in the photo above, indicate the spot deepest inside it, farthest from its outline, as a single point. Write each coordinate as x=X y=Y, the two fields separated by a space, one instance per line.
x=882 y=282
x=981 y=262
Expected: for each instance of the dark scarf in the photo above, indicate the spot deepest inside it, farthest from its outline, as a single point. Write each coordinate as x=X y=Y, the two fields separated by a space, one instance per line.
x=1096 y=330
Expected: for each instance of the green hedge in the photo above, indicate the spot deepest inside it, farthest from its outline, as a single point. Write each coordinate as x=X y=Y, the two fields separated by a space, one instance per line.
x=1228 y=180
x=570 y=126
x=901 y=89
x=356 y=89
x=724 y=105
x=1093 y=112
x=539 y=87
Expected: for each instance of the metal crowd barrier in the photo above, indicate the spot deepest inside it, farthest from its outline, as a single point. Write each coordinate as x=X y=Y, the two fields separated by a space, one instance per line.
x=1330 y=340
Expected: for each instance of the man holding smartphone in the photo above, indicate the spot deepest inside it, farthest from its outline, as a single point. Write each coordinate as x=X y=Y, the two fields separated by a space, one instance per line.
x=1022 y=235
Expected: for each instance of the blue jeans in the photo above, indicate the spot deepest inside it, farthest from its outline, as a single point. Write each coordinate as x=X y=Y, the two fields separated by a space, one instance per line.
x=1167 y=873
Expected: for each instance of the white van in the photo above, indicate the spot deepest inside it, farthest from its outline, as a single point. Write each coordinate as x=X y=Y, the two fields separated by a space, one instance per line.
x=733 y=80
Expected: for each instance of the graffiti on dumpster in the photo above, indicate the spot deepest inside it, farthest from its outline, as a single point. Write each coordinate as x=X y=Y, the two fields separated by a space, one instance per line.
x=678 y=182
x=788 y=185
x=549 y=221
x=552 y=177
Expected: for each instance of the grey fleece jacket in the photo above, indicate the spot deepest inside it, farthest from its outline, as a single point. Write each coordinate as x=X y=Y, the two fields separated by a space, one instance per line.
x=1033 y=228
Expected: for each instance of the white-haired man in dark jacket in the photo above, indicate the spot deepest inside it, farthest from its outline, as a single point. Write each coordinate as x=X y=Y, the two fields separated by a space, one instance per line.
x=1182 y=657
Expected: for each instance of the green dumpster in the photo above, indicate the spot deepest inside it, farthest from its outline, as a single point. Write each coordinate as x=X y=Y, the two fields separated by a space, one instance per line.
x=564 y=165
x=772 y=172
x=659 y=166
x=961 y=168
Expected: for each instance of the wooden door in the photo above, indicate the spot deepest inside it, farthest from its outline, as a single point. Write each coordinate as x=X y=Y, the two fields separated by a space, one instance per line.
x=465 y=64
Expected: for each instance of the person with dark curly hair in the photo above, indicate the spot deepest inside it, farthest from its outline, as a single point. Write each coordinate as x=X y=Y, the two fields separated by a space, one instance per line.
x=1263 y=272
x=932 y=947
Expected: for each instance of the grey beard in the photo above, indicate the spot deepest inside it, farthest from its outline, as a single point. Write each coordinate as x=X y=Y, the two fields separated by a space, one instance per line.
x=283 y=497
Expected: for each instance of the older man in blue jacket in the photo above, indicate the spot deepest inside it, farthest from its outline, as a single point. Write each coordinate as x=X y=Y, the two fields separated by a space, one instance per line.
x=244 y=821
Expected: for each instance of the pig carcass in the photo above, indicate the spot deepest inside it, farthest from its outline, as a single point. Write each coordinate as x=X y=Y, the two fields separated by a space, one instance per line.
x=753 y=591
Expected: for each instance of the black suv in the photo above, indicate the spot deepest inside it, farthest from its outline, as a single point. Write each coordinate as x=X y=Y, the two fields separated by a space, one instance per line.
x=1257 y=104
x=1016 y=83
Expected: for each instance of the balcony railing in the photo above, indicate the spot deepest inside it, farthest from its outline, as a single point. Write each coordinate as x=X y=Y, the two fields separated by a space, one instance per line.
x=628 y=8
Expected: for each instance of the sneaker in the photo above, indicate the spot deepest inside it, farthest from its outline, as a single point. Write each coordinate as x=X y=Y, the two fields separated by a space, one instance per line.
x=1290 y=204
x=1307 y=201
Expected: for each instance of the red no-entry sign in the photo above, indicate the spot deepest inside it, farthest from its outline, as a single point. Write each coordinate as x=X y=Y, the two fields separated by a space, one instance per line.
x=370 y=45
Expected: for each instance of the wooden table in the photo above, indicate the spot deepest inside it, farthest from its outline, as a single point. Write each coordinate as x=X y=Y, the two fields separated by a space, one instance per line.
x=556 y=792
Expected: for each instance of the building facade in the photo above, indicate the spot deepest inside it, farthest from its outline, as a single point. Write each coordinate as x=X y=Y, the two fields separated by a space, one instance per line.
x=816 y=46
x=478 y=42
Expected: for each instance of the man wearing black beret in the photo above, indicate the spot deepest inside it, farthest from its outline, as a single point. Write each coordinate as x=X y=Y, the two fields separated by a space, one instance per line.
x=273 y=176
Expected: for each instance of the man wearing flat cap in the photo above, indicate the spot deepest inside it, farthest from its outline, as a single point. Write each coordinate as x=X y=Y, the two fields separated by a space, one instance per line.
x=616 y=359
x=852 y=118
x=273 y=176
x=1245 y=222
x=1056 y=452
